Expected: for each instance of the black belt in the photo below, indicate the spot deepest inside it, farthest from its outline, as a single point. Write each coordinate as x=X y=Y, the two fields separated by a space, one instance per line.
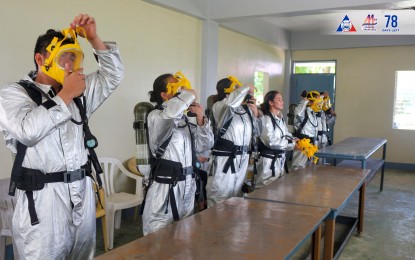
x=186 y=171
x=170 y=200
x=236 y=150
x=35 y=180
x=321 y=132
x=272 y=154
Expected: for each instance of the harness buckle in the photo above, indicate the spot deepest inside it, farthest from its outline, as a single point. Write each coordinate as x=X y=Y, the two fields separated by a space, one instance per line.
x=72 y=176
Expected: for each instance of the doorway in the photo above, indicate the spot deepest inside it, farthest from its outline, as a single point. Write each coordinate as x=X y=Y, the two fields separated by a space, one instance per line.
x=313 y=75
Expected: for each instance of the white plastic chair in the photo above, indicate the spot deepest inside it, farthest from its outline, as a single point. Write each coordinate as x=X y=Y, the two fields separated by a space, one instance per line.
x=115 y=202
x=7 y=204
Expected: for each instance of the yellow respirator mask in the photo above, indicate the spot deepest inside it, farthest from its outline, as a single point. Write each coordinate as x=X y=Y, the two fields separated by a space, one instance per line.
x=64 y=56
x=308 y=149
x=317 y=101
x=234 y=82
x=326 y=103
x=182 y=82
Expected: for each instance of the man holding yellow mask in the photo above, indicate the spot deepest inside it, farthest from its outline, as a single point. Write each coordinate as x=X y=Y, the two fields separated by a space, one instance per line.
x=44 y=119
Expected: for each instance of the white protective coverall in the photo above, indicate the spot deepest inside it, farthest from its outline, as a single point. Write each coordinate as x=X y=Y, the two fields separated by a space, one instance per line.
x=321 y=129
x=66 y=211
x=161 y=125
x=309 y=130
x=227 y=184
x=275 y=137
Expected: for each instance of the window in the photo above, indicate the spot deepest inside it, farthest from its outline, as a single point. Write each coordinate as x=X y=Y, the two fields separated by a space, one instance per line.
x=404 y=103
x=261 y=83
x=314 y=67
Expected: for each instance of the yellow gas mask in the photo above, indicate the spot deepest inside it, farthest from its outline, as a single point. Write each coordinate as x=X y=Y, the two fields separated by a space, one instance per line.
x=317 y=104
x=326 y=103
x=308 y=149
x=182 y=82
x=68 y=56
x=234 y=82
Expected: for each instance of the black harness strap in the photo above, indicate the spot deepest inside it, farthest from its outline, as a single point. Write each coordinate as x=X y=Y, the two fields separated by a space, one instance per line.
x=275 y=153
x=36 y=95
x=159 y=153
x=224 y=147
x=272 y=154
x=90 y=140
x=31 y=179
x=254 y=147
x=300 y=128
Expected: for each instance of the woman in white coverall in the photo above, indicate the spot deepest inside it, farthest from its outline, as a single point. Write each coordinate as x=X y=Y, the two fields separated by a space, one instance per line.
x=305 y=124
x=236 y=125
x=172 y=187
x=274 y=141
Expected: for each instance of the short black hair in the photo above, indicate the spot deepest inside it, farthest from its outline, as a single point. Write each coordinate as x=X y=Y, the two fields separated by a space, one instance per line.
x=44 y=40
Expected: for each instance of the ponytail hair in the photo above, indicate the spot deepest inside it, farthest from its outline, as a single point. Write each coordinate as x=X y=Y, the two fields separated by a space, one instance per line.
x=268 y=97
x=159 y=85
x=220 y=88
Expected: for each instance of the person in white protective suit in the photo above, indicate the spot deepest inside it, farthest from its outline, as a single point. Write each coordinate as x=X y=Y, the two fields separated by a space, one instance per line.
x=329 y=114
x=305 y=124
x=174 y=140
x=236 y=124
x=321 y=127
x=54 y=216
x=275 y=140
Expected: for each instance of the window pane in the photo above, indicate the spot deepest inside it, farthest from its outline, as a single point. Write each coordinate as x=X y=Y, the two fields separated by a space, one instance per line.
x=261 y=81
x=315 y=67
x=404 y=104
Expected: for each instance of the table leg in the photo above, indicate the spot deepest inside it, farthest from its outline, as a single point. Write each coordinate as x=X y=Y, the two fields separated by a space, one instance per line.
x=329 y=238
x=383 y=167
x=362 y=193
x=316 y=244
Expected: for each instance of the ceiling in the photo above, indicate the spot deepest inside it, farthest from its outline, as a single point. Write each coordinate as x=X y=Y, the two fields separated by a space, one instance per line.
x=263 y=18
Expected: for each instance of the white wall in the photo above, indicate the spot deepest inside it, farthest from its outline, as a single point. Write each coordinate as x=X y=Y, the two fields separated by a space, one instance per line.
x=365 y=85
x=241 y=56
x=152 y=41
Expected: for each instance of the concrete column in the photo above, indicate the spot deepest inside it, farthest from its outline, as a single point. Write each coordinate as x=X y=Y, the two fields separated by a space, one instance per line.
x=209 y=67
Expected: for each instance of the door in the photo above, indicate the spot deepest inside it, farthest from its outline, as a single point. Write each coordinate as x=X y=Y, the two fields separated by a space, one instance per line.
x=309 y=82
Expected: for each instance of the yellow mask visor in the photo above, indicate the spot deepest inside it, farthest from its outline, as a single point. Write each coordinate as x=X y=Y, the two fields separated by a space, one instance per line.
x=308 y=149
x=234 y=82
x=317 y=104
x=182 y=82
x=326 y=103
x=68 y=56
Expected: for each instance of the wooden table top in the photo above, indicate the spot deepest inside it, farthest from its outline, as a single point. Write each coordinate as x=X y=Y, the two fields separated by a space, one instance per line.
x=235 y=229
x=352 y=148
x=319 y=186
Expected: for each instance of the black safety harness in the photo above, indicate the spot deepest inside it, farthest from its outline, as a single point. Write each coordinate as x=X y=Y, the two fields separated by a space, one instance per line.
x=169 y=172
x=298 y=133
x=319 y=114
x=273 y=154
x=227 y=148
x=31 y=180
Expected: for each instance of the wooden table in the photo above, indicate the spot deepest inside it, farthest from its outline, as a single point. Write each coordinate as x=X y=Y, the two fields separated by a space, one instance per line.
x=357 y=149
x=235 y=229
x=319 y=186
